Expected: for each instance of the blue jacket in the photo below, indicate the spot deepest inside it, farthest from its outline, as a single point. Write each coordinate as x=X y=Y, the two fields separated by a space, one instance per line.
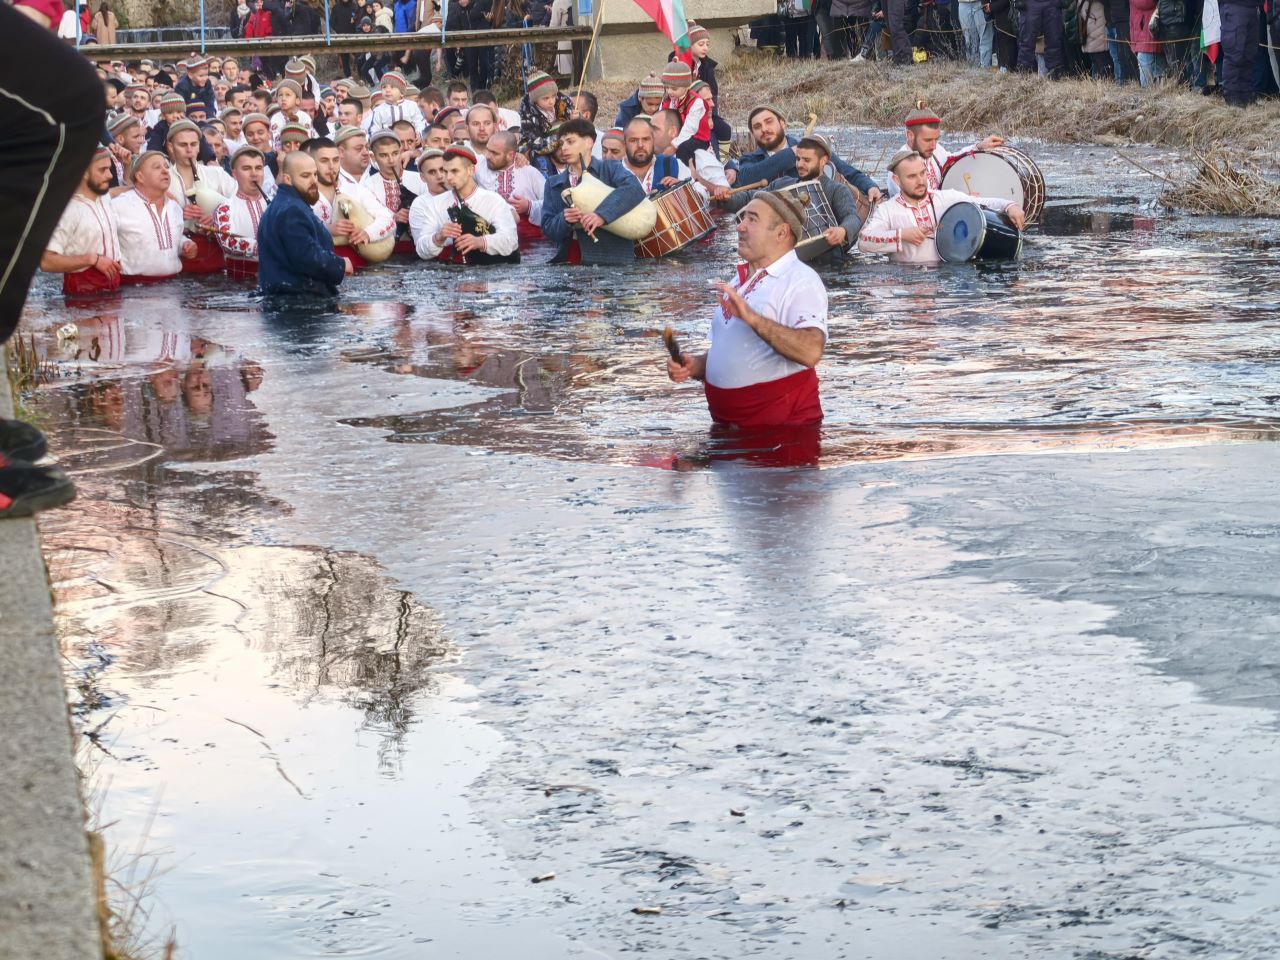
x=628 y=110
x=406 y=16
x=295 y=251
x=204 y=95
x=607 y=248
x=758 y=165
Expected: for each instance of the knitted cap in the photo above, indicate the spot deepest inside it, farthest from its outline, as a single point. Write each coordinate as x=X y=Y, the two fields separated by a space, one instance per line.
x=613 y=134
x=122 y=123
x=293 y=85
x=358 y=92
x=140 y=158
x=447 y=116
x=295 y=69
x=308 y=61
x=431 y=154
x=921 y=116
x=394 y=78
x=294 y=133
x=247 y=150
x=172 y=101
x=766 y=108
x=383 y=134
x=650 y=87
x=788 y=209
x=196 y=62
x=249 y=118
x=677 y=74
x=906 y=153
x=376 y=98
x=459 y=151
x=411 y=92
x=699 y=85
x=540 y=84
x=346 y=133
x=135 y=87
x=697 y=32
x=182 y=126
x=230 y=112
x=197 y=106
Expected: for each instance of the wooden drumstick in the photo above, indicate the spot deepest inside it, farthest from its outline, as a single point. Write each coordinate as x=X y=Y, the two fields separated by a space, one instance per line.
x=969 y=186
x=673 y=345
x=813 y=122
x=750 y=186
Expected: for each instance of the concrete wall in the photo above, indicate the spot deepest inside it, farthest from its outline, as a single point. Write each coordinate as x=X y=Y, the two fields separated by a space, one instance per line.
x=634 y=55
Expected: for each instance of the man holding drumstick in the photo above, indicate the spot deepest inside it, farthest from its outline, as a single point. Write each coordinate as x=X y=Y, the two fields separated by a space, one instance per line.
x=768 y=330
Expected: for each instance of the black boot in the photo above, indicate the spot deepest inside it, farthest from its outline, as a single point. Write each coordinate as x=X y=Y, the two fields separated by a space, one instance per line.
x=21 y=441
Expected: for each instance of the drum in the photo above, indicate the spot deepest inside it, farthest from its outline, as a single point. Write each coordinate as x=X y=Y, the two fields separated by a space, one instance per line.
x=970 y=232
x=683 y=217
x=1000 y=172
x=818 y=218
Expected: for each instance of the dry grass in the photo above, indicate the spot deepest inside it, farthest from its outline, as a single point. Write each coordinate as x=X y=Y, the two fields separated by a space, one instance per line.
x=1067 y=111
x=1223 y=184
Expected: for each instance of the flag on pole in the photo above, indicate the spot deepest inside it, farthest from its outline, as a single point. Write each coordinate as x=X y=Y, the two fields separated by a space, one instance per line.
x=669 y=16
x=444 y=19
x=1211 y=33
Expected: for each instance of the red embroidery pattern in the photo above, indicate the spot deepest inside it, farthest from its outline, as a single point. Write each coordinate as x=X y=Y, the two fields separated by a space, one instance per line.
x=164 y=232
x=506 y=182
x=923 y=214
x=743 y=290
x=110 y=249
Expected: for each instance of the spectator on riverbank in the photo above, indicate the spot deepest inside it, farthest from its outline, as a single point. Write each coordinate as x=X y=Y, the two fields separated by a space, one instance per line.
x=1149 y=50
x=104 y=24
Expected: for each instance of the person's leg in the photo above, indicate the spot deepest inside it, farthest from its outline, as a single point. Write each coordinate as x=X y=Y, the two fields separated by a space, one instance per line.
x=50 y=132
x=1055 y=40
x=970 y=12
x=1028 y=31
x=825 y=29
x=896 y=17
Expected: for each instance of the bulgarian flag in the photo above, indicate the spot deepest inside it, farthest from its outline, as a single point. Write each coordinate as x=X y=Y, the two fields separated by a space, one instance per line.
x=669 y=16
x=1211 y=34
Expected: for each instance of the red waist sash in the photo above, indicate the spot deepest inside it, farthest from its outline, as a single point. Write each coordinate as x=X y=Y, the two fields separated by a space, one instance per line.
x=242 y=268
x=527 y=231
x=348 y=252
x=790 y=401
x=142 y=278
x=88 y=281
x=208 y=258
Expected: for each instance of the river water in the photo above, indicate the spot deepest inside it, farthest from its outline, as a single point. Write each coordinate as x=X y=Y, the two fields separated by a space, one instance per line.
x=374 y=614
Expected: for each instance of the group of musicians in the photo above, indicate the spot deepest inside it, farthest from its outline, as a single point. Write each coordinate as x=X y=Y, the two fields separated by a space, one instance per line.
x=456 y=183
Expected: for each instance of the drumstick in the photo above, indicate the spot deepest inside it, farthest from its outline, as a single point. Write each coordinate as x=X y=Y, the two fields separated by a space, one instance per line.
x=673 y=345
x=813 y=122
x=969 y=186
x=750 y=186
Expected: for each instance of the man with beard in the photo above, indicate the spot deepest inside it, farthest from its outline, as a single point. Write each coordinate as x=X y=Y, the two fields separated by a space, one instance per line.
x=924 y=130
x=85 y=247
x=149 y=224
x=330 y=182
x=391 y=184
x=904 y=227
x=237 y=220
x=521 y=186
x=773 y=157
x=295 y=251
x=482 y=122
x=812 y=155
x=707 y=170
x=468 y=224
x=655 y=172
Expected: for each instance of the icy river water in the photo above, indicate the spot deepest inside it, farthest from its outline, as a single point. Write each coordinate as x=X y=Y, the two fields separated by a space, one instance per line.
x=374 y=615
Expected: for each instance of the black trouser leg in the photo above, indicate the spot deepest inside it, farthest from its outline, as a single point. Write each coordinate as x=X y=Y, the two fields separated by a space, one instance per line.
x=50 y=131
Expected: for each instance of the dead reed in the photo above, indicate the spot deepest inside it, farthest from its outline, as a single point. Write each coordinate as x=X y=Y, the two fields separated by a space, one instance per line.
x=1222 y=184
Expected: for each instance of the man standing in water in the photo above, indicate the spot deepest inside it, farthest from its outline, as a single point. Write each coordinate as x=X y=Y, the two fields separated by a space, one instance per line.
x=769 y=329
x=295 y=251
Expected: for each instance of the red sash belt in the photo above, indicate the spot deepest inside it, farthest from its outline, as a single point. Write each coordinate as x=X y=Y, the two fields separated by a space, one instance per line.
x=88 y=281
x=404 y=246
x=208 y=258
x=242 y=268
x=348 y=252
x=790 y=401
x=527 y=231
x=140 y=278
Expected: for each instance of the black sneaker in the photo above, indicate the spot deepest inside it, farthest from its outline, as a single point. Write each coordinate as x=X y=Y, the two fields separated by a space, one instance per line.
x=26 y=489
x=21 y=441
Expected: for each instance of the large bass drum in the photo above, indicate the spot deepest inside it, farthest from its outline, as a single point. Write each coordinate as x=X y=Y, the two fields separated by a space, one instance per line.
x=970 y=232
x=818 y=218
x=684 y=216
x=1000 y=172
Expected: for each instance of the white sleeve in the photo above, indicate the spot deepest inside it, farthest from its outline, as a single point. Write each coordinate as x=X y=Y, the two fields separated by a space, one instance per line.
x=539 y=183
x=62 y=233
x=504 y=240
x=424 y=224
x=805 y=305
x=697 y=111
x=878 y=234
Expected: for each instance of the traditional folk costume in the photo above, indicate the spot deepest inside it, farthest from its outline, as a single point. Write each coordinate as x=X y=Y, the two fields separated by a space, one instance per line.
x=695 y=120
x=280 y=120
x=883 y=232
x=575 y=245
x=383 y=223
x=526 y=182
x=396 y=195
x=88 y=225
x=237 y=223
x=934 y=164
x=385 y=114
x=748 y=383
x=150 y=237
x=843 y=207
x=429 y=215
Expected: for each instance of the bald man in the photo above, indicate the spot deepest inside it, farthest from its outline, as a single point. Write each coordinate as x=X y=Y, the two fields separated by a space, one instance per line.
x=295 y=250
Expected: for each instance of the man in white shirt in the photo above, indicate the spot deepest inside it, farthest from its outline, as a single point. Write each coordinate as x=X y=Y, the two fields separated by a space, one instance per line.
x=84 y=247
x=131 y=139
x=904 y=226
x=768 y=330
x=924 y=130
x=330 y=183
x=353 y=156
x=237 y=219
x=191 y=182
x=431 y=172
x=520 y=186
x=394 y=187
x=468 y=224
x=149 y=224
x=708 y=171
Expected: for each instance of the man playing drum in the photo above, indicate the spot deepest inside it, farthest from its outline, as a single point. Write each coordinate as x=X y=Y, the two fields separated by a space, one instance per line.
x=773 y=157
x=904 y=227
x=768 y=330
x=656 y=172
x=924 y=130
